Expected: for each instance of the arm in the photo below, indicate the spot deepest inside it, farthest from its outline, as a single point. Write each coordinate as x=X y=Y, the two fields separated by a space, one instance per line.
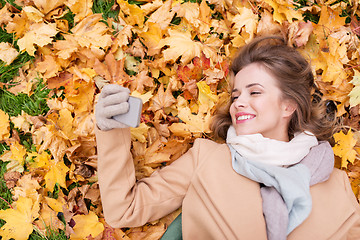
x=127 y=203
x=354 y=231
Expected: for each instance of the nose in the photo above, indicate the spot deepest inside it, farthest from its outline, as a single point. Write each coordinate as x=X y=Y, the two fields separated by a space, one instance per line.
x=240 y=102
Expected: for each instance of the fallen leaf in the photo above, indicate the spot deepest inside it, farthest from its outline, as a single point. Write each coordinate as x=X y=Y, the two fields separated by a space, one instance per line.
x=7 y=53
x=86 y=225
x=22 y=216
x=4 y=125
x=344 y=147
x=355 y=92
x=39 y=34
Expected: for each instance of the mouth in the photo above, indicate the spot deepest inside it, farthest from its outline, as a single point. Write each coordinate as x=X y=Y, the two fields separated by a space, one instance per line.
x=241 y=117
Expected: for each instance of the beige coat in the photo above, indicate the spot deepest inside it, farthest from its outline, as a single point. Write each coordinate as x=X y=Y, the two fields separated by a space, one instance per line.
x=217 y=202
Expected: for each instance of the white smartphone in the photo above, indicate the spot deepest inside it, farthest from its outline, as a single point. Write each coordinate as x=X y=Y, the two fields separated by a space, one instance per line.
x=132 y=117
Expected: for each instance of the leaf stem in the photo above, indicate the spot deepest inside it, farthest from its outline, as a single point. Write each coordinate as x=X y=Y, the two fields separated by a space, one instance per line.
x=7 y=202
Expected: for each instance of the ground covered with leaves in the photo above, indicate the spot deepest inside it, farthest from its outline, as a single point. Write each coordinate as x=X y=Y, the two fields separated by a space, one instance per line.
x=175 y=55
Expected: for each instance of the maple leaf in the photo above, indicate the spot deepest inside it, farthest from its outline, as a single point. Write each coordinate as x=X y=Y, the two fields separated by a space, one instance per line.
x=83 y=98
x=344 y=147
x=27 y=187
x=21 y=122
x=56 y=174
x=18 y=152
x=140 y=81
x=90 y=32
x=19 y=25
x=48 y=218
x=19 y=221
x=39 y=34
x=66 y=47
x=5 y=15
x=131 y=13
x=355 y=92
x=139 y=133
x=163 y=15
x=81 y=9
x=152 y=37
x=33 y=14
x=162 y=99
x=284 y=11
x=46 y=6
x=49 y=66
x=207 y=99
x=180 y=44
x=7 y=53
x=112 y=69
x=246 y=20
x=4 y=125
x=328 y=23
x=86 y=225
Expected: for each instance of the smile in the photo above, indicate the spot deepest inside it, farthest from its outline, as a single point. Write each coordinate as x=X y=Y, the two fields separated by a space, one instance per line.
x=244 y=117
x=241 y=117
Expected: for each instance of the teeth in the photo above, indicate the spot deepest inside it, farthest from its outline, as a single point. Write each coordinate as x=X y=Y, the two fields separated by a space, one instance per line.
x=244 y=117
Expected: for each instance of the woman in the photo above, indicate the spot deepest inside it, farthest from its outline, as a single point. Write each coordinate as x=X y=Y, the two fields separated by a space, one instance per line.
x=274 y=179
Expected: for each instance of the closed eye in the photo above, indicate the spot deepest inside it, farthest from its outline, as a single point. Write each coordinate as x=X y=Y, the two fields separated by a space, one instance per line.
x=234 y=98
x=254 y=93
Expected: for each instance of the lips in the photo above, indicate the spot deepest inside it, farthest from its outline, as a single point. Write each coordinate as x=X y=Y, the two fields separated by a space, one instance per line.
x=242 y=117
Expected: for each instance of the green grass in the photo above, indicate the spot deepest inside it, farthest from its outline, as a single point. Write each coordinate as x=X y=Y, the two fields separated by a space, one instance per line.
x=34 y=104
x=50 y=235
x=106 y=8
x=4 y=191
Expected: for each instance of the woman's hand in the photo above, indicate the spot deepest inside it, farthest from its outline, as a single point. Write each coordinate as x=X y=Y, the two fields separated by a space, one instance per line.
x=112 y=101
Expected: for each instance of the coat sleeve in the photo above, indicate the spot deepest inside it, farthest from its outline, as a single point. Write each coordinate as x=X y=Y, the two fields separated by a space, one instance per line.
x=354 y=231
x=130 y=203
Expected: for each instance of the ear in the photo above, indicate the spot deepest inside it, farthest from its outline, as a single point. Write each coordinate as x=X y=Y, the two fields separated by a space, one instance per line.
x=289 y=107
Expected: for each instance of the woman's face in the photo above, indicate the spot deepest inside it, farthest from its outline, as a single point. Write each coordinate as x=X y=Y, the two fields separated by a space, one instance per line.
x=257 y=105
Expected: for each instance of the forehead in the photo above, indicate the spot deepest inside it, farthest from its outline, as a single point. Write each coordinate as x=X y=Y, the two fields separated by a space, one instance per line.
x=254 y=73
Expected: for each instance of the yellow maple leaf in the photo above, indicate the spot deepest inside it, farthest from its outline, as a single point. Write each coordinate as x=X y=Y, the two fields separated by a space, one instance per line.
x=83 y=98
x=18 y=152
x=7 y=53
x=56 y=174
x=46 y=6
x=39 y=34
x=18 y=221
x=162 y=15
x=4 y=125
x=246 y=21
x=90 y=32
x=180 y=44
x=152 y=37
x=56 y=204
x=131 y=13
x=355 y=92
x=162 y=99
x=207 y=99
x=140 y=132
x=48 y=219
x=344 y=147
x=81 y=9
x=33 y=14
x=284 y=11
x=27 y=187
x=86 y=225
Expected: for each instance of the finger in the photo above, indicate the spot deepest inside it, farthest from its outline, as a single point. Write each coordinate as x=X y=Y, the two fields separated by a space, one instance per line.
x=110 y=89
x=115 y=98
x=117 y=109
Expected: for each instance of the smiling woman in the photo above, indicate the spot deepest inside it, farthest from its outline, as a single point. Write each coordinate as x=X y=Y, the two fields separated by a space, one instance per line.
x=273 y=179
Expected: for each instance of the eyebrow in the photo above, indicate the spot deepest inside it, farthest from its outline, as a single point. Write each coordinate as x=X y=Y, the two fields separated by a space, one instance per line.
x=249 y=86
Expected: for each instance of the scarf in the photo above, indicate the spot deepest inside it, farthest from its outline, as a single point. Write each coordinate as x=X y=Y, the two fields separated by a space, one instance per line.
x=286 y=195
